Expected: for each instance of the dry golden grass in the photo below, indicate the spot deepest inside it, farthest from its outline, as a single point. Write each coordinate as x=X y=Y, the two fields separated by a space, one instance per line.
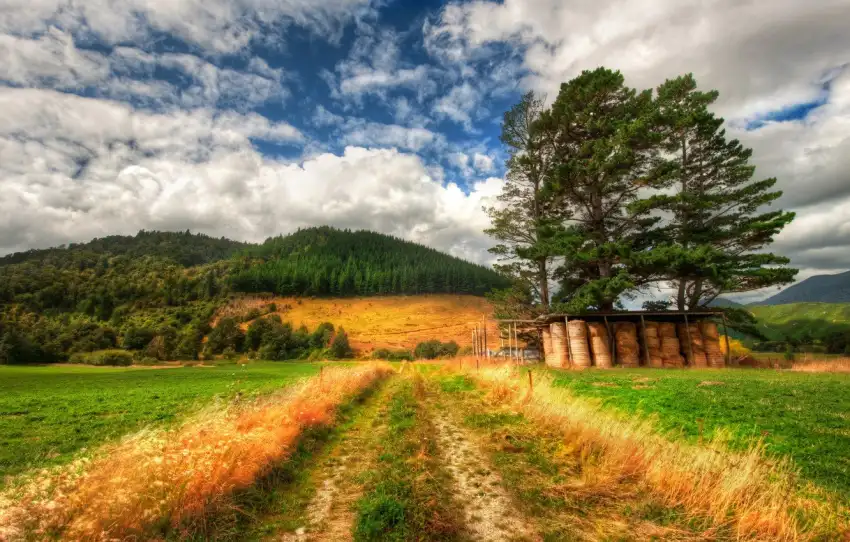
x=383 y=322
x=747 y=493
x=837 y=365
x=175 y=479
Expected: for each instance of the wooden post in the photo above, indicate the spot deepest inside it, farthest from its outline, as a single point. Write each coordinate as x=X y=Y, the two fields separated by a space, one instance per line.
x=613 y=351
x=540 y=352
x=690 y=342
x=473 y=343
x=645 y=346
x=726 y=336
x=530 y=383
x=484 y=328
x=321 y=376
x=569 y=343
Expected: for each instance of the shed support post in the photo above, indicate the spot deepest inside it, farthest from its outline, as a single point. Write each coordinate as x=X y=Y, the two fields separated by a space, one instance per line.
x=569 y=343
x=726 y=336
x=611 y=348
x=645 y=346
x=690 y=341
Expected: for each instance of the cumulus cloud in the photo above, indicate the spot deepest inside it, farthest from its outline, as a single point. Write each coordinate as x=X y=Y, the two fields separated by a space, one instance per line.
x=88 y=167
x=222 y=26
x=762 y=56
x=460 y=105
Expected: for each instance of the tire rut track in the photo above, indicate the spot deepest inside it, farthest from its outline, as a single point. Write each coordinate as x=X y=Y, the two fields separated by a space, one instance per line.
x=488 y=512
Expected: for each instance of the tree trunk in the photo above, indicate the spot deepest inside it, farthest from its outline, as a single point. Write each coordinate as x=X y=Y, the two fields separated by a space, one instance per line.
x=544 y=284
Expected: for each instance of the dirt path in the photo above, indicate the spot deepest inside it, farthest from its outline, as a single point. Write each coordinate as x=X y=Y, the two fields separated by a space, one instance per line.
x=330 y=515
x=488 y=512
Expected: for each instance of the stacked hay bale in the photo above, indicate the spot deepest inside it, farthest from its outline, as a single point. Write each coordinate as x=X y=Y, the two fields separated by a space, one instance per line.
x=671 y=355
x=628 y=351
x=578 y=343
x=696 y=353
x=599 y=345
x=548 y=354
x=711 y=344
x=560 y=350
x=653 y=345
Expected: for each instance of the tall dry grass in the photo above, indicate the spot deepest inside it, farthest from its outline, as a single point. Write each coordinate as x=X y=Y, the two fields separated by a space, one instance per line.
x=747 y=493
x=158 y=480
x=838 y=365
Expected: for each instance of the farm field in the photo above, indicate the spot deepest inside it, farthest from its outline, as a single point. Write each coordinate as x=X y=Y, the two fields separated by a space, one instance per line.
x=802 y=416
x=49 y=413
x=383 y=322
x=425 y=451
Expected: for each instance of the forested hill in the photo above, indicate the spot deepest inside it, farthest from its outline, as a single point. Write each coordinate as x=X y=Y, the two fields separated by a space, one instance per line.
x=327 y=261
x=817 y=289
x=184 y=248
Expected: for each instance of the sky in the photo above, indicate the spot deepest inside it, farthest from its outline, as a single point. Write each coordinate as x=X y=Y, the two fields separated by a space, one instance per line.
x=251 y=118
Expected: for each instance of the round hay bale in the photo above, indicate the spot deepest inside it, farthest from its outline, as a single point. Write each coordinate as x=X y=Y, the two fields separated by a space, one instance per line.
x=653 y=343
x=709 y=329
x=601 y=353
x=597 y=329
x=667 y=329
x=560 y=352
x=628 y=350
x=656 y=362
x=578 y=344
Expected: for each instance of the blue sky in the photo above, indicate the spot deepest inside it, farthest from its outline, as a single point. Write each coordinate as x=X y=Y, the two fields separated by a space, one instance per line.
x=250 y=118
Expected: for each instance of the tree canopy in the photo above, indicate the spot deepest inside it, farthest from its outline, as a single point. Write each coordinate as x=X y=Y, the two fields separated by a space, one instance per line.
x=614 y=190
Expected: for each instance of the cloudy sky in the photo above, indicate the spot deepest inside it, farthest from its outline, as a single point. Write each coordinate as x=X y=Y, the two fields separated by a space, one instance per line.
x=248 y=118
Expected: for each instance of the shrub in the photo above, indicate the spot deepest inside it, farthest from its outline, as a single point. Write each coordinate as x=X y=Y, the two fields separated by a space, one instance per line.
x=118 y=358
x=434 y=349
x=393 y=355
x=340 y=348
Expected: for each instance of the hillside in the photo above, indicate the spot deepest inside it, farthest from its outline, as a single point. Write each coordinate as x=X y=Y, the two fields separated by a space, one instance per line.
x=183 y=248
x=157 y=292
x=330 y=262
x=382 y=322
x=803 y=321
x=817 y=289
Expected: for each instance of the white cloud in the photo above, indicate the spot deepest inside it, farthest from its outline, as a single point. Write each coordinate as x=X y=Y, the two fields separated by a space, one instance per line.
x=90 y=167
x=483 y=163
x=359 y=132
x=323 y=117
x=459 y=105
x=221 y=26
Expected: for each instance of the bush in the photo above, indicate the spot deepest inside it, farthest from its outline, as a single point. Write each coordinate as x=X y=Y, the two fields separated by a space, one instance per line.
x=117 y=358
x=340 y=348
x=393 y=355
x=434 y=349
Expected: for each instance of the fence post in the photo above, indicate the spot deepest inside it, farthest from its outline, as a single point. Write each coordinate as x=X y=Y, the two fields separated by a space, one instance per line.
x=530 y=383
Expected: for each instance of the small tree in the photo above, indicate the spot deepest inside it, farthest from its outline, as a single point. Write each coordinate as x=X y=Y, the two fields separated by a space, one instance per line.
x=340 y=349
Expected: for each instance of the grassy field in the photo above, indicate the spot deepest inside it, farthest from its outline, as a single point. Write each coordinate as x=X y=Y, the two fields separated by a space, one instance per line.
x=803 y=416
x=384 y=322
x=47 y=414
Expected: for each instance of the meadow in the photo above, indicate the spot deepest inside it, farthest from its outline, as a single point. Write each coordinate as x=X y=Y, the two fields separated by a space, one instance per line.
x=803 y=416
x=49 y=413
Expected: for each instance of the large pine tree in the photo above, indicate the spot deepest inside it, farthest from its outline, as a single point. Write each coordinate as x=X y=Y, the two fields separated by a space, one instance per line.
x=523 y=219
x=605 y=148
x=718 y=228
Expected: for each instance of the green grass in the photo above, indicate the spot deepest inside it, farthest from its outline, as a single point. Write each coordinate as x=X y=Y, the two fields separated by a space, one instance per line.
x=48 y=414
x=406 y=496
x=803 y=416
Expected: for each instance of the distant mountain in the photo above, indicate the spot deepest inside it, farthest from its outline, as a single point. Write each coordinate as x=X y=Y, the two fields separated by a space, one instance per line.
x=817 y=289
x=723 y=303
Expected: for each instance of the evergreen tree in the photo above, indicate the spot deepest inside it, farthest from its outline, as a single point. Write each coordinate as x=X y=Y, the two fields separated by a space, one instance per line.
x=605 y=149
x=717 y=231
x=523 y=220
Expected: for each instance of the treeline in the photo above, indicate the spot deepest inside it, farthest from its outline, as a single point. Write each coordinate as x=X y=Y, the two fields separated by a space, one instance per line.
x=270 y=338
x=330 y=262
x=613 y=191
